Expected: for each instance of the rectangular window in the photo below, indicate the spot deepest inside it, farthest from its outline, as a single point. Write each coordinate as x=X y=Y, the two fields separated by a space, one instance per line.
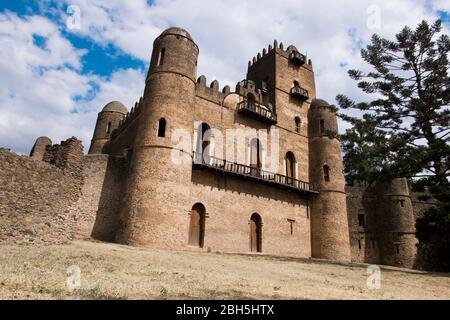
x=361 y=220
x=359 y=244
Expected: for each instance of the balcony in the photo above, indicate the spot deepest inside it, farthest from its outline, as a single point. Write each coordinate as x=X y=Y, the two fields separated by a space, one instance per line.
x=297 y=58
x=299 y=93
x=256 y=111
x=254 y=174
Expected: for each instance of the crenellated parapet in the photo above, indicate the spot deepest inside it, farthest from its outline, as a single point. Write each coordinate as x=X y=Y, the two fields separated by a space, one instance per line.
x=211 y=92
x=291 y=53
x=128 y=118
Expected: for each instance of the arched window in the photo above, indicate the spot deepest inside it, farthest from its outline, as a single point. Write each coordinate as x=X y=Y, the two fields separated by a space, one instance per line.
x=251 y=101
x=296 y=83
x=108 y=127
x=203 y=143
x=162 y=128
x=326 y=173
x=255 y=156
x=161 y=57
x=290 y=167
x=322 y=126
x=255 y=233
x=197 y=225
x=298 y=123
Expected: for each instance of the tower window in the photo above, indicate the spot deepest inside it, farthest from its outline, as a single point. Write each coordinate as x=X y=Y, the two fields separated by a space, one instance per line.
x=402 y=203
x=161 y=57
x=359 y=244
x=108 y=127
x=373 y=244
x=296 y=83
x=298 y=123
x=361 y=220
x=162 y=128
x=397 y=247
x=322 y=126
x=326 y=173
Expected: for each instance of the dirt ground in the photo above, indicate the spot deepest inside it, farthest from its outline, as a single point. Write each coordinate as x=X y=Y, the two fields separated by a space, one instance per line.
x=111 y=271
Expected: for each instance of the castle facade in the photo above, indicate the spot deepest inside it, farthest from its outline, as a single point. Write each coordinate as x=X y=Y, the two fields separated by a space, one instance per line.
x=255 y=169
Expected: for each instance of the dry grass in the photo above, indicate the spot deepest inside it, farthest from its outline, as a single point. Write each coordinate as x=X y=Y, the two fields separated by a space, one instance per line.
x=110 y=271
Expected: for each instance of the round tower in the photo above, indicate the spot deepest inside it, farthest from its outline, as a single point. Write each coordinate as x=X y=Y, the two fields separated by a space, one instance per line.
x=108 y=119
x=158 y=187
x=329 y=225
x=38 y=150
x=395 y=223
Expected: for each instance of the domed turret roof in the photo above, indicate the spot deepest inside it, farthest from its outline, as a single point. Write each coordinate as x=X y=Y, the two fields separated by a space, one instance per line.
x=115 y=106
x=319 y=103
x=177 y=31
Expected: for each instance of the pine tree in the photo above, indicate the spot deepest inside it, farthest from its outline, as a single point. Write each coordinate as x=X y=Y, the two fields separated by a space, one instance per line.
x=404 y=131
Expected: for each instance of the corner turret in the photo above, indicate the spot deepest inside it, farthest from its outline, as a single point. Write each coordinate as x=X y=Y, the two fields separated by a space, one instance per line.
x=107 y=121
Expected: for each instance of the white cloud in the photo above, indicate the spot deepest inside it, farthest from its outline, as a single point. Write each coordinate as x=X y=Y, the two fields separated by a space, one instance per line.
x=229 y=34
x=39 y=84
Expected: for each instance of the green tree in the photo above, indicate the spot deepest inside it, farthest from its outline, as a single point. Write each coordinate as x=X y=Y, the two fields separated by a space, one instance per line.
x=404 y=130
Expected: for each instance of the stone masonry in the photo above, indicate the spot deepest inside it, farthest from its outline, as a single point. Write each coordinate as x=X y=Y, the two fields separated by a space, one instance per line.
x=162 y=174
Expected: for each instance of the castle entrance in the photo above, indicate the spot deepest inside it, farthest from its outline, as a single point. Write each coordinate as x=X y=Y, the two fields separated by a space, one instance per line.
x=197 y=226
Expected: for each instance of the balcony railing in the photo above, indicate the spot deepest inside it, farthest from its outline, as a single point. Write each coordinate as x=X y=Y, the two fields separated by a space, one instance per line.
x=253 y=173
x=300 y=93
x=297 y=58
x=256 y=111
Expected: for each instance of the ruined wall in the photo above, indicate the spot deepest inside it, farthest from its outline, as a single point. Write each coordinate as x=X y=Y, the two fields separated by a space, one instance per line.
x=36 y=196
x=97 y=209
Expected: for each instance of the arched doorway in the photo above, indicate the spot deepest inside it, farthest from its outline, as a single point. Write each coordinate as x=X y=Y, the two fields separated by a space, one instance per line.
x=255 y=233
x=255 y=156
x=197 y=225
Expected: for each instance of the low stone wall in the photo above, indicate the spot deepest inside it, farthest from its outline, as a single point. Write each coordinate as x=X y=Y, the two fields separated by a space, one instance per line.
x=36 y=196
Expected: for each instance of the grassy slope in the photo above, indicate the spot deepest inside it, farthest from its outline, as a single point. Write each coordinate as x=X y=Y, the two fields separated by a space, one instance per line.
x=110 y=271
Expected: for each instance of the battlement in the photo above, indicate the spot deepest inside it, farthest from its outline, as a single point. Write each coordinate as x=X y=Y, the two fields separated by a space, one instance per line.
x=211 y=92
x=290 y=53
x=128 y=118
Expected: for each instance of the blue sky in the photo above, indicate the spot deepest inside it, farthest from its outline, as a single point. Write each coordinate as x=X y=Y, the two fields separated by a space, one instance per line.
x=54 y=80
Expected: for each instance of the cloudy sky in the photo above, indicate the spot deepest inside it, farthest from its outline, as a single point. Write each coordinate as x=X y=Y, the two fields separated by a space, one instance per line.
x=62 y=61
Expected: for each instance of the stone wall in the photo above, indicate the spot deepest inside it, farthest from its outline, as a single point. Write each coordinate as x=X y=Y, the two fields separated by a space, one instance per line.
x=98 y=206
x=381 y=224
x=36 y=196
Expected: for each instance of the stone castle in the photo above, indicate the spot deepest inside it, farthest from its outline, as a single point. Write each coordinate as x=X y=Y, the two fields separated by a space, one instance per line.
x=141 y=185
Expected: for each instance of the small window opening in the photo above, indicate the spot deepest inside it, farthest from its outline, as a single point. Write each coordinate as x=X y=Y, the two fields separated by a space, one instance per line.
x=322 y=126
x=361 y=220
x=108 y=127
x=359 y=244
x=326 y=173
x=161 y=57
x=298 y=123
x=162 y=128
x=291 y=223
